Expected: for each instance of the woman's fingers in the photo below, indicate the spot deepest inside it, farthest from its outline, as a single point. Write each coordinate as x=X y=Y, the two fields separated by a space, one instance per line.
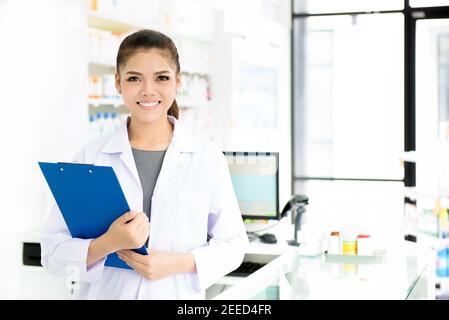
x=134 y=256
x=131 y=260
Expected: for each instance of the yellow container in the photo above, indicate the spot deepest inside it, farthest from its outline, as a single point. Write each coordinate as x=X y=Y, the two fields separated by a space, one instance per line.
x=349 y=247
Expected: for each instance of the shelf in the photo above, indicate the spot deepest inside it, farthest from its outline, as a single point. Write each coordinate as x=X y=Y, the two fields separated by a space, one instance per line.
x=111 y=23
x=191 y=103
x=108 y=108
x=176 y=35
x=105 y=102
x=194 y=71
x=102 y=64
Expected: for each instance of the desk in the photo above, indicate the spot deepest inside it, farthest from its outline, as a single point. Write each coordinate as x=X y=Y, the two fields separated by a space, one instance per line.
x=407 y=272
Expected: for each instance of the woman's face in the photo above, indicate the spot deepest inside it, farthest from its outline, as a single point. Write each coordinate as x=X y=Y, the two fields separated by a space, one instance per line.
x=148 y=84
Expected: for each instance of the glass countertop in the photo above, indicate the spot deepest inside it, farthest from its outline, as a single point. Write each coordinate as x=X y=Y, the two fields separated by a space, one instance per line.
x=292 y=276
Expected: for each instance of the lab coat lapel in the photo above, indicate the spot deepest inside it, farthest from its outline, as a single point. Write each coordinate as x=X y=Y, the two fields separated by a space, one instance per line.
x=128 y=160
x=173 y=156
x=171 y=161
x=119 y=143
x=181 y=142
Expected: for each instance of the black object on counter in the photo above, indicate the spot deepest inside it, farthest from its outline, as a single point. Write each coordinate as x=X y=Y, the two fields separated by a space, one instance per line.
x=297 y=205
x=31 y=254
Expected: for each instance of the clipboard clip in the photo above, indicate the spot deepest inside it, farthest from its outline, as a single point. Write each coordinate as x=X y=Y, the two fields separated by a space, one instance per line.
x=84 y=164
x=88 y=165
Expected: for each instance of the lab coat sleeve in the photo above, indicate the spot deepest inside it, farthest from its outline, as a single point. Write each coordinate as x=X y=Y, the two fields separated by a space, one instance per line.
x=63 y=255
x=225 y=250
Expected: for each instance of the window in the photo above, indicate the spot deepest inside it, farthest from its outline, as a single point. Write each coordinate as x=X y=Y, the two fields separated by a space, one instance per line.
x=432 y=104
x=368 y=86
x=350 y=92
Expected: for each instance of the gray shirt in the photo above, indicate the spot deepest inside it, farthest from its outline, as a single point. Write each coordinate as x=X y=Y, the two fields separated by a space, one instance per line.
x=149 y=164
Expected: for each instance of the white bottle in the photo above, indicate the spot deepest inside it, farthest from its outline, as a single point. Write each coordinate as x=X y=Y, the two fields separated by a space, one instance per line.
x=107 y=124
x=334 y=243
x=115 y=121
x=364 y=245
x=92 y=128
x=108 y=86
x=100 y=125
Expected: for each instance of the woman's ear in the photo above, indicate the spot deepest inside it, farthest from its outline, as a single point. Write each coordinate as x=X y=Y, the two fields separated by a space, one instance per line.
x=117 y=83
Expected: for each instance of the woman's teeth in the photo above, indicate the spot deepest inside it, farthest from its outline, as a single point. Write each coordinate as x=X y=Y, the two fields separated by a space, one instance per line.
x=148 y=104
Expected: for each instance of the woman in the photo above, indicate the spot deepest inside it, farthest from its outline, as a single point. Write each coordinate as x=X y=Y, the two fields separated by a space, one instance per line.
x=178 y=182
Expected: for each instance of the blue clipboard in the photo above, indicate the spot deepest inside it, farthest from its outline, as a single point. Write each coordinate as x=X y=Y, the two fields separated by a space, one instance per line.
x=90 y=199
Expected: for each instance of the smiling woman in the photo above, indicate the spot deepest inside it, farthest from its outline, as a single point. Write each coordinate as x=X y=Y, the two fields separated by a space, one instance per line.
x=149 y=60
x=179 y=182
x=148 y=76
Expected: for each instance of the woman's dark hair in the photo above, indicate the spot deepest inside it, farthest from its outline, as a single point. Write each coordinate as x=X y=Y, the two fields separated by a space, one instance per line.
x=150 y=39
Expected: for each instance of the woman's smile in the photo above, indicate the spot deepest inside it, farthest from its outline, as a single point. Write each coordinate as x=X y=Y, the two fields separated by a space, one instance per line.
x=149 y=105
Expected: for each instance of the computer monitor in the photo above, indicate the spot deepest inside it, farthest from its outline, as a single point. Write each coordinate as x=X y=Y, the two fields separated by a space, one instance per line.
x=255 y=178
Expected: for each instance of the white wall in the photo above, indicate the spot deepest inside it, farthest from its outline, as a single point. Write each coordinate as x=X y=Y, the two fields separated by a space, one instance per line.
x=43 y=96
x=263 y=42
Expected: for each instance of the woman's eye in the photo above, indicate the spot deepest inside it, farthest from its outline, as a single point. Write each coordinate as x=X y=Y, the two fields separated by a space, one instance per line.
x=132 y=79
x=163 y=78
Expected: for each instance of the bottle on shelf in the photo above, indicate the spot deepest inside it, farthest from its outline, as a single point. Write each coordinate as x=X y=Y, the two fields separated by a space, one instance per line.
x=115 y=121
x=109 y=86
x=100 y=124
x=364 y=245
x=93 y=130
x=107 y=124
x=334 y=243
x=95 y=87
x=349 y=243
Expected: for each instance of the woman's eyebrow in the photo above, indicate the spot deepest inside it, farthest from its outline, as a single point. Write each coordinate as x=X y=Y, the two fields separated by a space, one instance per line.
x=141 y=74
x=161 y=72
x=134 y=72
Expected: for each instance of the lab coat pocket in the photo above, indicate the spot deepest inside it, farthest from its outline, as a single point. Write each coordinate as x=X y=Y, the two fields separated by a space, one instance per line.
x=191 y=219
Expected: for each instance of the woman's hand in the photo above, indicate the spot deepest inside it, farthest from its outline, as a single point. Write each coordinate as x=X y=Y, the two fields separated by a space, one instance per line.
x=158 y=264
x=129 y=231
x=122 y=234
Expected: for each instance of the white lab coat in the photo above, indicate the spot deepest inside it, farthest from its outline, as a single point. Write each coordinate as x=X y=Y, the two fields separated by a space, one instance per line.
x=193 y=197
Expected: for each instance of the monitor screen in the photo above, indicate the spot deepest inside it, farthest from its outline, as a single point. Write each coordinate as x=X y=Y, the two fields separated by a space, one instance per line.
x=255 y=179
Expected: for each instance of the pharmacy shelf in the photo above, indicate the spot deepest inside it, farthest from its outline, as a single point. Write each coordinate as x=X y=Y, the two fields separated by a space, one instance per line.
x=196 y=71
x=106 y=102
x=191 y=103
x=113 y=23
x=176 y=35
x=93 y=110
x=101 y=63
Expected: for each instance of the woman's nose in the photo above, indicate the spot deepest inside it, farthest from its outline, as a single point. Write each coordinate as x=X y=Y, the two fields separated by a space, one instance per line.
x=147 y=89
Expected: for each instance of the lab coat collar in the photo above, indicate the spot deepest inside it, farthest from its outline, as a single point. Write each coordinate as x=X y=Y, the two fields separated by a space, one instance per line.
x=181 y=141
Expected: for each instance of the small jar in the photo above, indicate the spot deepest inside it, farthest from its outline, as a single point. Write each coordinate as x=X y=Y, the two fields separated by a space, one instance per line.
x=364 y=245
x=334 y=243
x=349 y=244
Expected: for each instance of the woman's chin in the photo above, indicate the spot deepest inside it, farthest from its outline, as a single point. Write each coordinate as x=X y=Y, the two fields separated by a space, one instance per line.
x=149 y=117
